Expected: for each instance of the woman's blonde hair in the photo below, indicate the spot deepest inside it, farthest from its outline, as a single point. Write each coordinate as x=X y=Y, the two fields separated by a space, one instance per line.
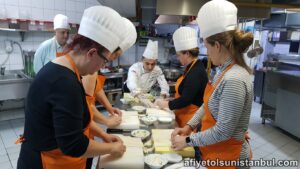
x=236 y=42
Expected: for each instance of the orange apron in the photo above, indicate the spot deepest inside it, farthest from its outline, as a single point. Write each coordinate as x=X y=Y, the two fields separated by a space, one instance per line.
x=59 y=54
x=55 y=159
x=225 y=150
x=184 y=114
x=92 y=99
x=100 y=83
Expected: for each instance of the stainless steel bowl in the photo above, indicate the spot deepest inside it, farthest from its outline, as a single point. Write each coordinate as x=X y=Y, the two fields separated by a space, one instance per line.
x=172 y=74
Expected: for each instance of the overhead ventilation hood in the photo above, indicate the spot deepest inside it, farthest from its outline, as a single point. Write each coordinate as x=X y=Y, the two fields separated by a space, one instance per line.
x=191 y=8
x=175 y=19
x=283 y=20
x=126 y=8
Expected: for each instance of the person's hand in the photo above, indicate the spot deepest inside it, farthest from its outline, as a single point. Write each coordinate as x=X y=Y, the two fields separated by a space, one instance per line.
x=178 y=143
x=113 y=121
x=164 y=96
x=147 y=103
x=161 y=103
x=115 y=111
x=109 y=138
x=114 y=138
x=185 y=131
x=118 y=149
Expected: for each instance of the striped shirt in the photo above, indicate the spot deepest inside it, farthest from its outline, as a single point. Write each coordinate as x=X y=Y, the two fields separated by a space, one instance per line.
x=230 y=104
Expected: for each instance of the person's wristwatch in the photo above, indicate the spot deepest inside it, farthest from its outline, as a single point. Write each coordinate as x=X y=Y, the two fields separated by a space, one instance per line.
x=187 y=140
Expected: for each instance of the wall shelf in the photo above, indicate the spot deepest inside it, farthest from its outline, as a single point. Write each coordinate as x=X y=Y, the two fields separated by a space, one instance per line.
x=24 y=26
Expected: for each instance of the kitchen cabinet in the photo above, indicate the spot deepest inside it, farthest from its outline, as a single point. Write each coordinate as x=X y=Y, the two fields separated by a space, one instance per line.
x=281 y=100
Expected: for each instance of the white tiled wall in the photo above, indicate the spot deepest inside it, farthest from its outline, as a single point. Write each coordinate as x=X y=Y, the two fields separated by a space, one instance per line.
x=31 y=41
x=45 y=9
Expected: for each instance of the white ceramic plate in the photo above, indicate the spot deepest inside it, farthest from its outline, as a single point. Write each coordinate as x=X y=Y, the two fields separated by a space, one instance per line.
x=139 y=108
x=148 y=120
x=173 y=158
x=140 y=133
x=155 y=161
x=165 y=119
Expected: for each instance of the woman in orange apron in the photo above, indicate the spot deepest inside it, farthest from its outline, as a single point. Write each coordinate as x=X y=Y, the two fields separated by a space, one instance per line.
x=57 y=116
x=224 y=116
x=93 y=84
x=190 y=86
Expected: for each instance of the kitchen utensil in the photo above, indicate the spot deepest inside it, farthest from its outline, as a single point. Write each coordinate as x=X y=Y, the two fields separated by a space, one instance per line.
x=172 y=74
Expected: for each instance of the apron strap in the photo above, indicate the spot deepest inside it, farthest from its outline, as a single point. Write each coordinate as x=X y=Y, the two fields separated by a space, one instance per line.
x=223 y=73
x=71 y=61
x=193 y=63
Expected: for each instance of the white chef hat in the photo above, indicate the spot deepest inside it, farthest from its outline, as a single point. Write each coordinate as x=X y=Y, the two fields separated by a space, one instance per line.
x=103 y=25
x=130 y=35
x=61 y=22
x=217 y=16
x=151 y=50
x=185 y=38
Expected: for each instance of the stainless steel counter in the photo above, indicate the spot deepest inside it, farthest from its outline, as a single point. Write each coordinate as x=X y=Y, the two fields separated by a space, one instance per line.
x=14 y=85
x=281 y=100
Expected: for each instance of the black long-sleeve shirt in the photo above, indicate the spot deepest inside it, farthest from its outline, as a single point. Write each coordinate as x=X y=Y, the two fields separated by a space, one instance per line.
x=56 y=112
x=192 y=87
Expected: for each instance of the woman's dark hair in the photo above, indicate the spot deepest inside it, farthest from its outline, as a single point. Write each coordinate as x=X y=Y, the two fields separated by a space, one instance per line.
x=237 y=42
x=194 y=52
x=81 y=43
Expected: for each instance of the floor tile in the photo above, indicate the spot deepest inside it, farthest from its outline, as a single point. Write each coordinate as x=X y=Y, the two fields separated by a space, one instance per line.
x=6 y=165
x=257 y=154
x=3 y=151
x=296 y=155
x=14 y=149
x=13 y=156
x=4 y=158
x=14 y=163
x=289 y=149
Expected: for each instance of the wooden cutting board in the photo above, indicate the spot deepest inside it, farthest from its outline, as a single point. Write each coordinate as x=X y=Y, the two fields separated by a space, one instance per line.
x=133 y=158
x=162 y=143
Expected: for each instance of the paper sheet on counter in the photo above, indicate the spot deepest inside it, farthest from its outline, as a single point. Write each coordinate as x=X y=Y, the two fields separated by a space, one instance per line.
x=133 y=158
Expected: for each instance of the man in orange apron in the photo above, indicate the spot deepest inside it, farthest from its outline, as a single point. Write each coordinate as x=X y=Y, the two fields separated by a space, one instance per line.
x=50 y=48
x=190 y=86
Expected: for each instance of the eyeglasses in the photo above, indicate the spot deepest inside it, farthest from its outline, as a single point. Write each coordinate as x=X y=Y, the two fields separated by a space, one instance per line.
x=103 y=57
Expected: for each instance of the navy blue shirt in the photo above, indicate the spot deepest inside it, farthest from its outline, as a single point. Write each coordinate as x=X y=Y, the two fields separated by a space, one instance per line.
x=192 y=87
x=56 y=112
